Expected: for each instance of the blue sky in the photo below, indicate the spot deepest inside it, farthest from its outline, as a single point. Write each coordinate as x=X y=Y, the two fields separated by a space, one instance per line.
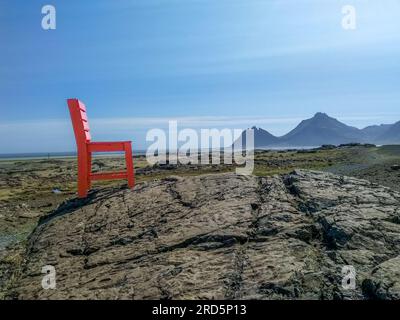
x=205 y=63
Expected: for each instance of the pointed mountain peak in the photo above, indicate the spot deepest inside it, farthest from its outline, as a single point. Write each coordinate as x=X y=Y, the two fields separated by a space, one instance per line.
x=262 y=137
x=321 y=115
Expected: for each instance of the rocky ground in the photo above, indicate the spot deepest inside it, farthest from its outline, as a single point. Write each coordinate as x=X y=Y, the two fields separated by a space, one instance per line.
x=221 y=236
x=32 y=189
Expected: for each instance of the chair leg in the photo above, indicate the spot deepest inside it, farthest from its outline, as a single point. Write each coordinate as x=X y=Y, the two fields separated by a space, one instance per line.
x=129 y=165
x=82 y=175
x=89 y=169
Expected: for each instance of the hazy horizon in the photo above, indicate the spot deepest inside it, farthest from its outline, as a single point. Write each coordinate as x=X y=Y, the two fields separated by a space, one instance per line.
x=197 y=124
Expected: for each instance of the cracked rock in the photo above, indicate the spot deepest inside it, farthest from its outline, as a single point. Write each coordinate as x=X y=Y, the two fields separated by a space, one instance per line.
x=221 y=236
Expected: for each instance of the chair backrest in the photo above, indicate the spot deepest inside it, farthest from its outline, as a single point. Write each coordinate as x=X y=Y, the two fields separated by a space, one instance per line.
x=80 y=122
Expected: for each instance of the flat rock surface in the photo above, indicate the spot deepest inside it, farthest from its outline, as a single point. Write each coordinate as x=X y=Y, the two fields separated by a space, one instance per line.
x=221 y=236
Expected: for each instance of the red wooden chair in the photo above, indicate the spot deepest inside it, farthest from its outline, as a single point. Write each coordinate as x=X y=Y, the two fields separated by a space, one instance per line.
x=86 y=147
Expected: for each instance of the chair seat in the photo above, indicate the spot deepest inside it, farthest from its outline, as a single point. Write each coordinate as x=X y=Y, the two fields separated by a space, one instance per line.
x=108 y=146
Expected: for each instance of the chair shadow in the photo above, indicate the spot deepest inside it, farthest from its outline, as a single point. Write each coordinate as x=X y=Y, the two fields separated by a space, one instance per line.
x=69 y=206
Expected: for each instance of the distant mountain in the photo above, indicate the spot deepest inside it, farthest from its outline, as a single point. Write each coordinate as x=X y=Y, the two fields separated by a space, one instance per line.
x=374 y=132
x=391 y=135
x=262 y=138
x=322 y=129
